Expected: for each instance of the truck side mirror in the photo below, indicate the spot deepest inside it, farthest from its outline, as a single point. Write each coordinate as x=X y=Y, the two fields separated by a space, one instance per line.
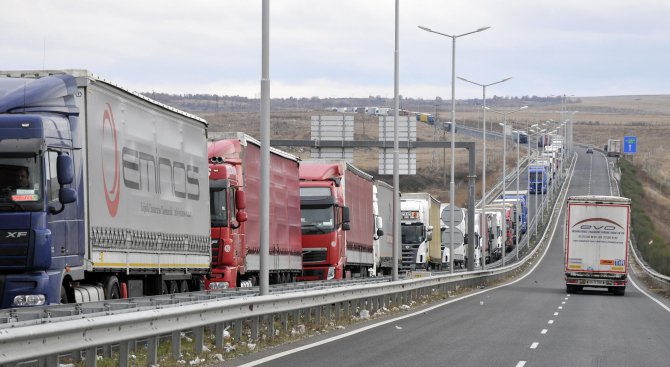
x=241 y=216
x=345 y=218
x=67 y=195
x=240 y=200
x=64 y=169
x=379 y=225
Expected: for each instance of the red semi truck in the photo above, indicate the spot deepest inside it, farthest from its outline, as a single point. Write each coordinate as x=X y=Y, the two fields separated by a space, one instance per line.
x=337 y=220
x=234 y=177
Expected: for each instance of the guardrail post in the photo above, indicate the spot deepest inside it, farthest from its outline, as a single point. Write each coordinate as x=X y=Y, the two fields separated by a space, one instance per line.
x=329 y=312
x=270 y=319
x=91 y=357
x=176 y=345
x=152 y=350
x=238 y=330
x=219 y=327
x=317 y=314
x=295 y=317
x=338 y=310
x=198 y=339
x=48 y=361
x=124 y=348
x=346 y=310
x=76 y=356
x=284 y=321
x=254 y=328
x=107 y=351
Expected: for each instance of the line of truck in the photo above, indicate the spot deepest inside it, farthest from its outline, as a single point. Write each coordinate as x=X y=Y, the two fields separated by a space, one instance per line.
x=545 y=163
x=129 y=197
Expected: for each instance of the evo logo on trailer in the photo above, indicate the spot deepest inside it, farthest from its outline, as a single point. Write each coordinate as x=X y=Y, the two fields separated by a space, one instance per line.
x=598 y=227
x=141 y=167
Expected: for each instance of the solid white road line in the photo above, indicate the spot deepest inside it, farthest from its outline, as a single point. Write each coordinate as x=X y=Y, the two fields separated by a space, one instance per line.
x=648 y=295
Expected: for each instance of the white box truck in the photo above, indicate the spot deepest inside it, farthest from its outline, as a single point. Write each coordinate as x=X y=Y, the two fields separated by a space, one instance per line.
x=596 y=243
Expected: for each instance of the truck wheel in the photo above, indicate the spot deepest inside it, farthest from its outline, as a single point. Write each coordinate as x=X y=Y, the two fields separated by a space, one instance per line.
x=183 y=286
x=571 y=288
x=619 y=291
x=63 y=295
x=111 y=287
x=173 y=287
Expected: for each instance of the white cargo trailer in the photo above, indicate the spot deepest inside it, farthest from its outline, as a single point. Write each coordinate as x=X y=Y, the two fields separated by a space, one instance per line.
x=596 y=243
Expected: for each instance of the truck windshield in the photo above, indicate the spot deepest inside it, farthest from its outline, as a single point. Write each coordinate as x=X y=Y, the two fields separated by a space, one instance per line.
x=412 y=233
x=317 y=219
x=536 y=176
x=20 y=182
x=217 y=208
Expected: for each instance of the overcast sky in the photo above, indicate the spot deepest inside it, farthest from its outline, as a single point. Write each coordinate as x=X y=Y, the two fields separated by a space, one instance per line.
x=345 y=48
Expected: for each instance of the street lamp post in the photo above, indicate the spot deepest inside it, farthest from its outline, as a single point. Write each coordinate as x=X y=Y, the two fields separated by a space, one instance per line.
x=484 y=149
x=518 y=178
x=537 y=137
x=528 y=171
x=453 y=132
x=504 y=181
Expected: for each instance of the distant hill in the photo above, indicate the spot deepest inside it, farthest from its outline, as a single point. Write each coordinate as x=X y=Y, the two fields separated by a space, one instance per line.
x=211 y=103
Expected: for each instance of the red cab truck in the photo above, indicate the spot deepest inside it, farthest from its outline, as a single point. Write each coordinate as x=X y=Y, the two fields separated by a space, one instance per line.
x=234 y=177
x=337 y=220
x=596 y=243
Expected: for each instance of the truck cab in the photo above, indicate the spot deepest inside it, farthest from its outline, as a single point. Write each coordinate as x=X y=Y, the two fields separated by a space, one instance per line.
x=37 y=147
x=538 y=179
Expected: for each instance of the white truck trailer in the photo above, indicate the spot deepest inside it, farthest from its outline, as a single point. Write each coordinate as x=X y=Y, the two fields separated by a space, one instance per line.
x=596 y=243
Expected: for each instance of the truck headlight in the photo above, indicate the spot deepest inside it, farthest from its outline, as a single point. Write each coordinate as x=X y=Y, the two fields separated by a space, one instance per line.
x=219 y=285
x=331 y=273
x=29 y=300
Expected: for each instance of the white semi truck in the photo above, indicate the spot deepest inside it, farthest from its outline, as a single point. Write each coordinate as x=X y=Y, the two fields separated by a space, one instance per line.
x=421 y=245
x=596 y=243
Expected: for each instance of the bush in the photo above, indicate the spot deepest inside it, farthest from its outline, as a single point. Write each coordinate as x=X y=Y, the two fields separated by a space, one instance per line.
x=651 y=245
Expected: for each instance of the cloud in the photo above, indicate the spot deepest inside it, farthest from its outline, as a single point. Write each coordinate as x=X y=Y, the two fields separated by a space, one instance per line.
x=318 y=48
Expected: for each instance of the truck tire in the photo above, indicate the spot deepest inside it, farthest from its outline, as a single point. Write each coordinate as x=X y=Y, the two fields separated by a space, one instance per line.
x=173 y=287
x=571 y=288
x=620 y=291
x=183 y=286
x=111 y=287
x=64 y=298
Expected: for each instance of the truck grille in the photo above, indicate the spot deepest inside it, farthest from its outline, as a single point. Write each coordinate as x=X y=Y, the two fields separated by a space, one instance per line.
x=313 y=255
x=14 y=250
x=408 y=254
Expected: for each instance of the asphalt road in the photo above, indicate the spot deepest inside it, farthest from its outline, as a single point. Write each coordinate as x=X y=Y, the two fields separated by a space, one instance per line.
x=529 y=322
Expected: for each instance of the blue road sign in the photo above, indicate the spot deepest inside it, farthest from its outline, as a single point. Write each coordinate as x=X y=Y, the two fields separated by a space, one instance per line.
x=629 y=144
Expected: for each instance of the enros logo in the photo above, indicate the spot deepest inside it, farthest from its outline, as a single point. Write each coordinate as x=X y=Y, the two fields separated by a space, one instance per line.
x=143 y=171
x=111 y=193
x=598 y=227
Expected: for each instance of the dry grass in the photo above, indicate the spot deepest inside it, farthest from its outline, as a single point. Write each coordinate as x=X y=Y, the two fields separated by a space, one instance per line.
x=599 y=119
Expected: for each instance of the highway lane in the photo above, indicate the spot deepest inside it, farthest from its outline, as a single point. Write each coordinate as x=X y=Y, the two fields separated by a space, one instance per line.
x=531 y=322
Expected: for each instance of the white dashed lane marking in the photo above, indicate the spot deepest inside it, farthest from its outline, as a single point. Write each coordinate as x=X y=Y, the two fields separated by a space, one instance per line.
x=544 y=331
x=534 y=345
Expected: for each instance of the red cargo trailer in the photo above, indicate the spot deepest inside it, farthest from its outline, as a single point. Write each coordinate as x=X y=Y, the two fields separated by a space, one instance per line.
x=234 y=173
